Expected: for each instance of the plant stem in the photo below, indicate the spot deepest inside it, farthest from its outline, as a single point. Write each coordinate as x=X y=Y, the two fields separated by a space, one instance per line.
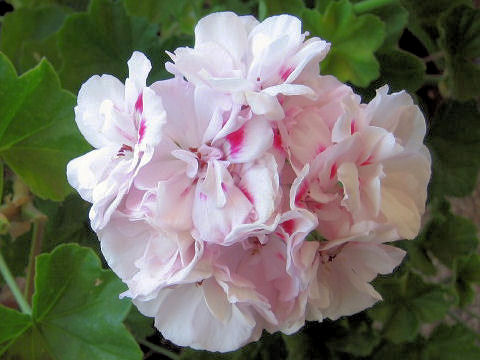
x=159 y=349
x=434 y=79
x=433 y=57
x=39 y=220
x=12 y=284
x=368 y=5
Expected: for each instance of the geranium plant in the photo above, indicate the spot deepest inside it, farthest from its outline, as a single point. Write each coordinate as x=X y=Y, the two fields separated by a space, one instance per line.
x=238 y=179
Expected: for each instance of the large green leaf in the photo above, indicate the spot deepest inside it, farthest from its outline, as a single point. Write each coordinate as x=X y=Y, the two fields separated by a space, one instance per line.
x=101 y=42
x=29 y=34
x=460 y=40
x=37 y=133
x=408 y=301
x=454 y=141
x=354 y=40
x=76 y=313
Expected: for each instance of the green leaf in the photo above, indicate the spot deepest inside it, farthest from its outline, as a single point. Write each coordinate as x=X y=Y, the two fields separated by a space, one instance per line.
x=451 y=343
x=428 y=12
x=302 y=346
x=166 y=13
x=408 y=301
x=76 y=311
x=357 y=339
x=68 y=221
x=245 y=7
x=423 y=18
x=395 y=17
x=354 y=41
x=138 y=324
x=78 y=5
x=13 y=325
x=37 y=133
x=417 y=254
x=29 y=34
x=454 y=141
x=101 y=42
x=450 y=236
x=404 y=351
x=269 y=347
x=277 y=7
x=402 y=326
x=467 y=273
x=460 y=40
x=156 y=11
x=401 y=70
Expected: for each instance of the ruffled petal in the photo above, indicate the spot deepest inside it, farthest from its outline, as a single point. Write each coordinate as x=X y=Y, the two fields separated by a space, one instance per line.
x=92 y=94
x=212 y=27
x=85 y=172
x=246 y=144
x=183 y=317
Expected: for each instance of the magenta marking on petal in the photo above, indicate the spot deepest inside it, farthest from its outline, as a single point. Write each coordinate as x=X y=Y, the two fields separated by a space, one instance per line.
x=333 y=171
x=301 y=192
x=288 y=226
x=236 y=140
x=224 y=187
x=203 y=196
x=367 y=162
x=280 y=256
x=352 y=127
x=123 y=148
x=247 y=194
x=285 y=73
x=141 y=130
x=139 y=103
x=186 y=191
x=320 y=149
x=277 y=139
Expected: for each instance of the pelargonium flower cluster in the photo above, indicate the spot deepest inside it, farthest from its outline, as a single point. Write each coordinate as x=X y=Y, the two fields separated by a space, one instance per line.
x=248 y=192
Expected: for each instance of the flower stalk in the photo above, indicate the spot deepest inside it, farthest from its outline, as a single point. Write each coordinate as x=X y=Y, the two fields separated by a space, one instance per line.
x=39 y=220
x=369 y=5
x=12 y=284
x=159 y=349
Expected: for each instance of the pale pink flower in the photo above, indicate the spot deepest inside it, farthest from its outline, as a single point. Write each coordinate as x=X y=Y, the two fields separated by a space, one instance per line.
x=342 y=285
x=253 y=61
x=219 y=184
x=366 y=168
x=124 y=124
x=237 y=291
x=197 y=210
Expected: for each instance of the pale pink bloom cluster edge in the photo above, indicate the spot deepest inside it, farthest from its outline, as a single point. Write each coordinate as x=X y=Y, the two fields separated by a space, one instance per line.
x=205 y=187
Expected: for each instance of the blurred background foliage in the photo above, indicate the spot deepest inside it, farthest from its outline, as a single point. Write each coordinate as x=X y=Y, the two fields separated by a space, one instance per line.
x=48 y=48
